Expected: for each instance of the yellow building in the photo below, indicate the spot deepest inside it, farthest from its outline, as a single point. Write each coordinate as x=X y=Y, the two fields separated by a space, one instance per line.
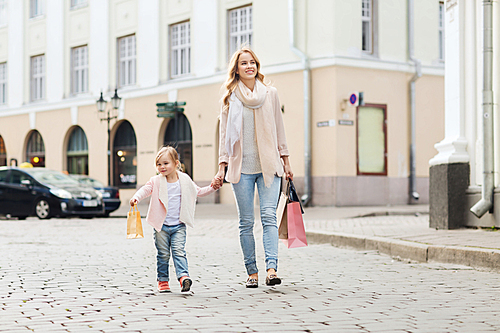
x=57 y=56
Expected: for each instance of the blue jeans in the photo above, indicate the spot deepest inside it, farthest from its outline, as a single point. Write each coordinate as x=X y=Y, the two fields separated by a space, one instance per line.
x=244 y=192
x=171 y=239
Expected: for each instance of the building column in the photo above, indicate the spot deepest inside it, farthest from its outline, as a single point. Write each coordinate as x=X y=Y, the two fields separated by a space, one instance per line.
x=99 y=47
x=148 y=44
x=55 y=51
x=15 y=63
x=449 y=169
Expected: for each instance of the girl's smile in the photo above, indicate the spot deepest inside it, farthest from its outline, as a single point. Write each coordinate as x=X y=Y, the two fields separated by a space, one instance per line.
x=167 y=167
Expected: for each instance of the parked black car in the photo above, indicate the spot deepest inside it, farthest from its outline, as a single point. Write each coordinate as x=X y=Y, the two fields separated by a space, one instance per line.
x=110 y=194
x=45 y=193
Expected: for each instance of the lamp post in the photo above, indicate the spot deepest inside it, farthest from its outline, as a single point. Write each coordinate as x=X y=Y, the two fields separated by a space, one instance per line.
x=102 y=107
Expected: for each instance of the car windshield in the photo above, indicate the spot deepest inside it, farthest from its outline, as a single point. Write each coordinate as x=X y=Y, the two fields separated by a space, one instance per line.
x=51 y=177
x=87 y=181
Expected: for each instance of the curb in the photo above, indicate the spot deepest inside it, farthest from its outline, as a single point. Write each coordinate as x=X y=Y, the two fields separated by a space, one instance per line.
x=467 y=256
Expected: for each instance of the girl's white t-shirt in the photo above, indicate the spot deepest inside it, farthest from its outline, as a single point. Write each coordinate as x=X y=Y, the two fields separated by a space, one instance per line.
x=174 y=204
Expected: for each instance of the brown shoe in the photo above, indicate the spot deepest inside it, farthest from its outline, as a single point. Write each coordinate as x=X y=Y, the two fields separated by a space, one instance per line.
x=252 y=283
x=272 y=280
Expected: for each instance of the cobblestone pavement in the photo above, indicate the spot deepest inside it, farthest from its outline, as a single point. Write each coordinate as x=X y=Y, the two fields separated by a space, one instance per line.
x=72 y=275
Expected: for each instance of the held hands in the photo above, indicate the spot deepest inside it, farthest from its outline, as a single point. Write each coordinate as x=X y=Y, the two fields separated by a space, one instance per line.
x=218 y=178
x=133 y=202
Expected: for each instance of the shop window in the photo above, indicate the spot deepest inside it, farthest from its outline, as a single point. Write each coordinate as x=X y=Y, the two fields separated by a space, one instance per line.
x=3 y=153
x=78 y=153
x=125 y=156
x=178 y=134
x=35 y=150
x=372 y=140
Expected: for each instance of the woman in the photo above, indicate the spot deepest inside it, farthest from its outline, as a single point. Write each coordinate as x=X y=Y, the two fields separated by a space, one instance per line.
x=253 y=147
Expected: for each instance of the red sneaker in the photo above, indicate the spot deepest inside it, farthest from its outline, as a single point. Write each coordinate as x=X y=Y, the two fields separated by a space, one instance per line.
x=163 y=287
x=186 y=283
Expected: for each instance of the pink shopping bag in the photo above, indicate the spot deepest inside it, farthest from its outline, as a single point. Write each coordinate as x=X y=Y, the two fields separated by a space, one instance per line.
x=295 y=224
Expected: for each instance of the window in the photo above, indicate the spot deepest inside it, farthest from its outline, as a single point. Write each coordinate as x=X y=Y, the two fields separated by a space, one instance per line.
x=180 y=49
x=36 y=8
x=372 y=140
x=3 y=83
x=35 y=150
x=80 y=69
x=78 y=3
x=37 y=78
x=367 y=25
x=3 y=153
x=240 y=28
x=126 y=61
x=78 y=153
x=441 y=31
x=125 y=156
x=3 y=13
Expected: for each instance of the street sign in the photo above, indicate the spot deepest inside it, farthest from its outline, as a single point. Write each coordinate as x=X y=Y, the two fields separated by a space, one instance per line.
x=169 y=109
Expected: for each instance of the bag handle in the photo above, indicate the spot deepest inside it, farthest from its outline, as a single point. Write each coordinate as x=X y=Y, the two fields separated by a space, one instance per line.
x=133 y=208
x=293 y=196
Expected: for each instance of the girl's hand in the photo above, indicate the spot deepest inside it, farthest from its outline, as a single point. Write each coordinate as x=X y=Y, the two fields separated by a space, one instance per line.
x=216 y=183
x=133 y=202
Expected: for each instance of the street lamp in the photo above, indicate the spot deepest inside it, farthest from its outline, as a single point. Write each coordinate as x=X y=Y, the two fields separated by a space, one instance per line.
x=101 y=107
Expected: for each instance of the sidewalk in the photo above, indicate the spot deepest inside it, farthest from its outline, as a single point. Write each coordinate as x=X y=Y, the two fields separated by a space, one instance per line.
x=400 y=231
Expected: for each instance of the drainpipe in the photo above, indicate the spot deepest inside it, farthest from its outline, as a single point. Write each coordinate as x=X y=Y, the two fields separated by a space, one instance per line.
x=486 y=203
x=306 y=198
x=413 y=195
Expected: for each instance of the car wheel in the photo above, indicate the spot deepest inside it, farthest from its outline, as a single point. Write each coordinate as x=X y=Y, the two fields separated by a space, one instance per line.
x=42 y=209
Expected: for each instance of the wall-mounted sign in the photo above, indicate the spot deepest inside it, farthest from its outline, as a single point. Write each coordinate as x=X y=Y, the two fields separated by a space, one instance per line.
x=326 y=123
x=346 y=122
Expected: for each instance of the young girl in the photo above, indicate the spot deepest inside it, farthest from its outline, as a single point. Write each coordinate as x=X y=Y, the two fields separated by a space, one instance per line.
x=173 y=199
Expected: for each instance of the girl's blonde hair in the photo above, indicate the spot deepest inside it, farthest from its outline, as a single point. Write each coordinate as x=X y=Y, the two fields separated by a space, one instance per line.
x=233 y=78
x=172 y=153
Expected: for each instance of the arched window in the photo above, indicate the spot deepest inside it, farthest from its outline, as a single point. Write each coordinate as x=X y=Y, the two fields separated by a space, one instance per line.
x=35 y=150
x=3 y=153
x=78 y=152
x=125 y=156
x=178 y=135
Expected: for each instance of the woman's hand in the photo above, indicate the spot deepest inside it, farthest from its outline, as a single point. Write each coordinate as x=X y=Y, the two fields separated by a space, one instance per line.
x=133 y=202
x=219 y=177
x=287 y=168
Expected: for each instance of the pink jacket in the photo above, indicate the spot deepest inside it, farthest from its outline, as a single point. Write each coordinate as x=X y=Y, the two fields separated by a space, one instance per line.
x=156 y=187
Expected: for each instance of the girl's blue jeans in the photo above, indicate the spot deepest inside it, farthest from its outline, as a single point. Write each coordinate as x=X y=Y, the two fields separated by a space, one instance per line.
x=171 y=239
x=244 y=192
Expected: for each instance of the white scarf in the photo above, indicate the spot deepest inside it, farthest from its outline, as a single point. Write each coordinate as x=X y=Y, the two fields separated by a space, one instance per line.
x=242 y=97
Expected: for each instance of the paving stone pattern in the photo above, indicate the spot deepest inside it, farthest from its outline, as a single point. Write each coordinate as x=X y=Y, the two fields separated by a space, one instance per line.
x=78 y=275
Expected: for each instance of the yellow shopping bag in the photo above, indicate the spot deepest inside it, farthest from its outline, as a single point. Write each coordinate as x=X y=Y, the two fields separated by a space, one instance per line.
x=134 y=225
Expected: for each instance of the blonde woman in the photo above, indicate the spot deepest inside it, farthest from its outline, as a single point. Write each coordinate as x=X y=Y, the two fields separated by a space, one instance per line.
x=253 y=147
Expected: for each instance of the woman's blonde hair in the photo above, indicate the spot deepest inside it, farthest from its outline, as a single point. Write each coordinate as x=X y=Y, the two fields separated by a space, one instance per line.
x=233 y=78
x=171 y=152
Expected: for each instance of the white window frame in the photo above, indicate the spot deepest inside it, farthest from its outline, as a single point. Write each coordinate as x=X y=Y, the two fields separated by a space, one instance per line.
x=239 y=28
x=3 y=83
x=180 y=49
x=3 y=13
x=37 y=78
x=441 y=30
x=36 y=8
x=126 y=54
x=367 y=21
x=79 y=69
x=75 y=4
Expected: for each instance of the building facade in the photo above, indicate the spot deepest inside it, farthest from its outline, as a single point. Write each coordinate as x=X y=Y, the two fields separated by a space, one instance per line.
x=464 y=171
x=57 y=56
